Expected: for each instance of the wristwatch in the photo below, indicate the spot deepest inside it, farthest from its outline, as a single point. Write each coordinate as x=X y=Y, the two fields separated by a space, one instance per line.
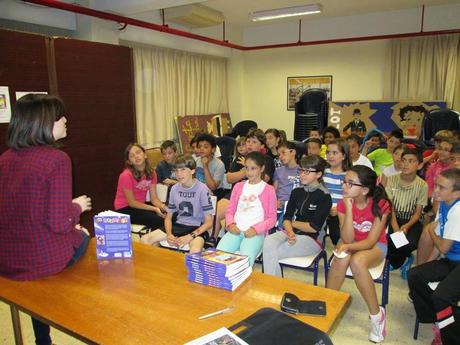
x=193 y=235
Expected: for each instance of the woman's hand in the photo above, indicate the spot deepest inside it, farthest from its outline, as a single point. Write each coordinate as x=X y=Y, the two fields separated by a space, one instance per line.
x=234 y=229
x=84 y=202
x=251 y=232
x=82 y=228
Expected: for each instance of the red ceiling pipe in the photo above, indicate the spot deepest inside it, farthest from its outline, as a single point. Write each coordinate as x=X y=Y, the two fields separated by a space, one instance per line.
x=126 y=20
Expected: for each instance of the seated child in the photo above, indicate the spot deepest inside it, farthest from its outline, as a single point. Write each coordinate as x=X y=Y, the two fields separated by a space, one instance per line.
x=383 y=157
x=315 y=133
x=363 y=215
x=251 y=212
x=372 y=141
x=431 y=155
x=165 y=169
x=273 y=138
x=303 y=220
x=314 y=146
x=134 y=182
x=209 y=170
x=443 y=163
x=394 y=168
x=439 y=306
x=191 y=200
x=409 y=195
x=286 y=177
x=356 y=157
x=329 y=135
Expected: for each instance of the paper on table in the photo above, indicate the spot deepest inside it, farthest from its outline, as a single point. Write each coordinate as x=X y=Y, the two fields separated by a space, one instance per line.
x=399 y=239
x=221 y=336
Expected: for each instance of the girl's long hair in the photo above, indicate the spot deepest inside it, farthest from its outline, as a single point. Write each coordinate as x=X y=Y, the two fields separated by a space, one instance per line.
x=148 y=171
x=343 y=148
x=368 y=178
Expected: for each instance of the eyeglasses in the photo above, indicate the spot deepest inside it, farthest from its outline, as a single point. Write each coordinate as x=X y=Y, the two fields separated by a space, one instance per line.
x=350 y=184
x=307 y=171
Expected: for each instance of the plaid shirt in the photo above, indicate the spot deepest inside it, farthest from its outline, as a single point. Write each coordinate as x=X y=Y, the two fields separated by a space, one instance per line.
x=37 y=216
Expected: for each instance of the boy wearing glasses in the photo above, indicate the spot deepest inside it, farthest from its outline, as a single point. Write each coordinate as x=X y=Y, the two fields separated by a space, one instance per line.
x=439 y=305
x=409 y=195
x=190 y=200
x=286 y=177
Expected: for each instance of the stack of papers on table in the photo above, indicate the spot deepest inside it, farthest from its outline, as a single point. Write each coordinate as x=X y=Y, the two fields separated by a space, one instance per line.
x=218 y=268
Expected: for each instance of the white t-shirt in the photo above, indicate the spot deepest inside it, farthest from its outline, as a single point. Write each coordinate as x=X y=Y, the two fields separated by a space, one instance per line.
x=390 y=171
x=363 y=160
x=249 y=210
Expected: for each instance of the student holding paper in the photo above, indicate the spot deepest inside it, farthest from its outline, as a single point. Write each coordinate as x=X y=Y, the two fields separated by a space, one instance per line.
x=409 y=195
x=39 y=231
x=439 y=306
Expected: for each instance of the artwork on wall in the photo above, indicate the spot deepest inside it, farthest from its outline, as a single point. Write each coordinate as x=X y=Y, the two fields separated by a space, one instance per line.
x=187 y=126
x=296 y=86
x=385 y=116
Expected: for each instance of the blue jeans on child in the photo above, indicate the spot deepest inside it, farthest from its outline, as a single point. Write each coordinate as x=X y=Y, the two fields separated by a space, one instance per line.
x=247 y=246
x=42 y=330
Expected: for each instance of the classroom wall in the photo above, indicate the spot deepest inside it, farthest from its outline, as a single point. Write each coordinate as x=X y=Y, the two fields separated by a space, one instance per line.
x=258 y=79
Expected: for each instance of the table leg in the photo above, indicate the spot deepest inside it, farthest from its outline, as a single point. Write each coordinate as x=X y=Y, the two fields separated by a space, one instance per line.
x=16 y=325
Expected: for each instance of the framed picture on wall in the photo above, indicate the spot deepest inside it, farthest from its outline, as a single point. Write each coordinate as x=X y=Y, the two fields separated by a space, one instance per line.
x=296 y=86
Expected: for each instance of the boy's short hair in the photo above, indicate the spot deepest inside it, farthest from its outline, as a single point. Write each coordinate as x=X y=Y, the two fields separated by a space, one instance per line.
x=397 y=133
x=354 y=137
x=334 y=131
x=314 y=128
x=315 y=140
x=443 y=135
x=168 y=143
x=412 y=151
x=453 y=175
x=256 y=133
x=373 y=134
x=185 y=161
x=211 y=139
x=288 y=144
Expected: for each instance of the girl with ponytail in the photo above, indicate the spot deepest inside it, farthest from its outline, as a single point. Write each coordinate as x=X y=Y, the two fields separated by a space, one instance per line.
x=363 y=216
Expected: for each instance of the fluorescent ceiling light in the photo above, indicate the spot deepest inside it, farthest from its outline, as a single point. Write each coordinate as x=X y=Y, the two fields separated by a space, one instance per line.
x=285 y=12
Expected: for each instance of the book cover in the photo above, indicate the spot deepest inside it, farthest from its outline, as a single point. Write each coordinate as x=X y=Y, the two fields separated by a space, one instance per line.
x=215 y=270
x=113 y=235
x=218 y=258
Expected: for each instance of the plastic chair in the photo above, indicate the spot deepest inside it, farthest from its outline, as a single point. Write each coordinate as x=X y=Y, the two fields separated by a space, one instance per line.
x=308 y=263
x=242 y=128
x=380 y=274
x=226 y=145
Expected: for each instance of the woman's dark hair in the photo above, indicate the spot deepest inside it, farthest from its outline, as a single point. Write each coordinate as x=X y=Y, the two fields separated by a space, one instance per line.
x=258 y=158
x=368 y=179
x=343 y=148
x=334 y=131
x=315 y=163
x=33 y=120
x=136 y=173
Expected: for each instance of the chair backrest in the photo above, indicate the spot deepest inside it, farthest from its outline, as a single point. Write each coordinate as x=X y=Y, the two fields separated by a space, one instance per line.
x=226 y=145
x=436 y=120
x=242 y=128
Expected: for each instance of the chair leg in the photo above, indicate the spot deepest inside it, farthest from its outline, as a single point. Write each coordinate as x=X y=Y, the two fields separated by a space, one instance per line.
x=326 y=269
x=416 y=328
x=386 y=284
x=315 y=272
x=282 y=271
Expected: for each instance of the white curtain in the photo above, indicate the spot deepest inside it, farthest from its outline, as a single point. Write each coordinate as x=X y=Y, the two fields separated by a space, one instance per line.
x=170 y=83
x=423 y=68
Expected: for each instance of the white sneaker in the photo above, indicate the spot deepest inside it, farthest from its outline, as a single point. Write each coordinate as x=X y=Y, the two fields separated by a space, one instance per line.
x=378 y=329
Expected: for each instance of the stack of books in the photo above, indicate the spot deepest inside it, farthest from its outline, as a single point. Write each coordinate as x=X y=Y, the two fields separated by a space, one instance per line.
x=218 y=268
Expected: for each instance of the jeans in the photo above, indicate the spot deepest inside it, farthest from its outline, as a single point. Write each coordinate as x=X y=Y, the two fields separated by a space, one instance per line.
x=42 y=330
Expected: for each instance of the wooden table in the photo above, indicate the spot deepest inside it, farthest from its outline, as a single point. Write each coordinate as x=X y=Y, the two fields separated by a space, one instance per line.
x=148 y=300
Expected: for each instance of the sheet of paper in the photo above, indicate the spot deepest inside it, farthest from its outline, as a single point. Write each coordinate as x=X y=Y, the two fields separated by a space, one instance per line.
x=221 y=336
x=399 y=239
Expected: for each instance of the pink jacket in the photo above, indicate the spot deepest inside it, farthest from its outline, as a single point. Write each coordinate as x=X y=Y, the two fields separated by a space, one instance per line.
x=268 y=200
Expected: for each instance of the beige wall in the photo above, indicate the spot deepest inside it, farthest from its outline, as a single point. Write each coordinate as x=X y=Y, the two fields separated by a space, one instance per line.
x=257 y=79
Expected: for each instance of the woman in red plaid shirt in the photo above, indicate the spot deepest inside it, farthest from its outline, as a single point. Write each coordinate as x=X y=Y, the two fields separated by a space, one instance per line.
x=39 y=230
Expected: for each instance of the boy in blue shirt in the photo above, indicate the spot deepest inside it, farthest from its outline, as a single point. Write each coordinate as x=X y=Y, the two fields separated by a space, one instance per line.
x=440 y=305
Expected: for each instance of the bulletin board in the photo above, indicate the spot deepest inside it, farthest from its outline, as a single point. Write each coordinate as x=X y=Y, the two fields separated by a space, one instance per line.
x=187 y=126
x=384 y=115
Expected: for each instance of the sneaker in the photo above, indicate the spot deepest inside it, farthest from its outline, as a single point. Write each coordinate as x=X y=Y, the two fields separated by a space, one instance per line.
x=378 y=328
x=406 y=266
x=436 y=336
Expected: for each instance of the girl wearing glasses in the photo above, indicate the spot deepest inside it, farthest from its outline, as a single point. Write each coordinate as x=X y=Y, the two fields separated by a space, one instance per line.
x=337 y=155
x=251 y=212
x=363 y=215
x=306 y=213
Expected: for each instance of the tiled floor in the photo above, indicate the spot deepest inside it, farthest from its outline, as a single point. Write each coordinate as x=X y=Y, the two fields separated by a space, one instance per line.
x=352 y=329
